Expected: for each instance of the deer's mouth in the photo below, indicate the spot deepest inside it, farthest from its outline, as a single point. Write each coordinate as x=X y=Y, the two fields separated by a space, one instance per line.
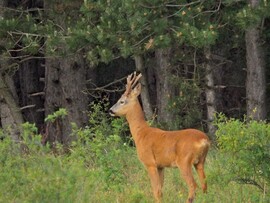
x=111 y=112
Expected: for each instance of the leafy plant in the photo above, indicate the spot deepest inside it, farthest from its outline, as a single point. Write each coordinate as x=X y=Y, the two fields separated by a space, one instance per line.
x=101 y=143
x=31 y=140
x=101 y=167
x=246 y=144
x=60 y=113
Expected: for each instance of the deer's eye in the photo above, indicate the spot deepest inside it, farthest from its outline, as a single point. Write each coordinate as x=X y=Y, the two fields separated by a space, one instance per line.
x=122 y=102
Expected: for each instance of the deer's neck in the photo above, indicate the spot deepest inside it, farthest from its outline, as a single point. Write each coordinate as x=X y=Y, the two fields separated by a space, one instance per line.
x=136 y=120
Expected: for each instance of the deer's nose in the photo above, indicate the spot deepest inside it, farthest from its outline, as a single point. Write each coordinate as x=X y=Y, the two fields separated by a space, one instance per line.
x=111 y=112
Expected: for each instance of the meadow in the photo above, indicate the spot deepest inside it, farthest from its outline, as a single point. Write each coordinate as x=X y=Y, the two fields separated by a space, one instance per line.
x=102 y=166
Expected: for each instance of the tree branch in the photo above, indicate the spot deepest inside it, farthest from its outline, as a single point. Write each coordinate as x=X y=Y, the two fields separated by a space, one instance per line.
x=249 y=182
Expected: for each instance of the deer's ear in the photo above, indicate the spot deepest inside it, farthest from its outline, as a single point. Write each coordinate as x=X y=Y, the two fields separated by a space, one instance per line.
x=136 y=90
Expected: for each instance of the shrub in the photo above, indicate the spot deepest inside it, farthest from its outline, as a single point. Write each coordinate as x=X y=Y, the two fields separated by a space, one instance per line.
x=246 y=144
x=94 y=165
x=102 y=167
x=100 y=144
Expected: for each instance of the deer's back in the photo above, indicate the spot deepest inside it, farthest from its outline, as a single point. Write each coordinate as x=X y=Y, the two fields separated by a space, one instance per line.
x=164 y=148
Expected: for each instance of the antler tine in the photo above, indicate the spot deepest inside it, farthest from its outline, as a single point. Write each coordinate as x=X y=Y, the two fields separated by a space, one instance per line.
x=128 y=85
x=135 y=80
x=132 y=79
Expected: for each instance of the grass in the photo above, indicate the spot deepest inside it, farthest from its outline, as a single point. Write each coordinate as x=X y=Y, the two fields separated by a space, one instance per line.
x=102 y=169
x=220 y=189
x=49 y=178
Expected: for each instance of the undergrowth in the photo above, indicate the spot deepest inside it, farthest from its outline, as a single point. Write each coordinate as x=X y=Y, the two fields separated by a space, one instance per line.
x=102 y=166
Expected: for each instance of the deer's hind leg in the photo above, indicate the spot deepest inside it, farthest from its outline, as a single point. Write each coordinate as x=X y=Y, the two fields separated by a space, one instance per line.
x=200 y=170
x=185 y=168
x=161 y=176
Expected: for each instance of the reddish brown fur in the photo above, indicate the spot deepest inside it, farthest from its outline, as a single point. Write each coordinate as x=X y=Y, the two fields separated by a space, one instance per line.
x=158 y=149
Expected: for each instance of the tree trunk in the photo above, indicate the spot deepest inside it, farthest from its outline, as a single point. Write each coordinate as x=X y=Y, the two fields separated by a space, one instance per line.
x=31 y=86
x=147 y=107
x=255 y=81
x=163 y=86
x=3 y=3
x=210 y=93
x=65 y=80
x=10 y=114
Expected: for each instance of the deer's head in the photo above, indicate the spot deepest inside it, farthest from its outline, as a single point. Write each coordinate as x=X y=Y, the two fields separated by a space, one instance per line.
x=129 y=98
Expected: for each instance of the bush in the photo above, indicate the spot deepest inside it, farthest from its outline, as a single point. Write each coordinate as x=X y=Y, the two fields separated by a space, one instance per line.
x=246 y=144
x=100 y=144
x=101 y=166
x=94 y=165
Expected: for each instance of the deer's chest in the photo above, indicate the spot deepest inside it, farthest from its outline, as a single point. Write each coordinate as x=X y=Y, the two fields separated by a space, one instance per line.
x=159 y=156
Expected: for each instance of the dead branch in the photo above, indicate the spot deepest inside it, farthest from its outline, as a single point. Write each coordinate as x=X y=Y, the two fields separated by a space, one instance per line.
x=37 y=94
x=28 y=107
x=103 y=88
x=249 y=182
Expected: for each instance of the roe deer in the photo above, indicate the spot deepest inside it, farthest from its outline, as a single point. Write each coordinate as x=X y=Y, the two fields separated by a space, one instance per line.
x=157 y=148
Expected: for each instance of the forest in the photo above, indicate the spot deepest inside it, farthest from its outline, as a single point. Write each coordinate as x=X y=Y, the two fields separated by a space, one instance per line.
x=64 y=63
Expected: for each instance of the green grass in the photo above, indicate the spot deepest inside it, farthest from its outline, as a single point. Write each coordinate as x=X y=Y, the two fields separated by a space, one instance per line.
x=101 y=168
x=44 y=177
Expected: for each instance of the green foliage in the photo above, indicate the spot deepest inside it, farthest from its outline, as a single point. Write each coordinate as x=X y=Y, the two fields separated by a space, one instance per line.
x=60 y=113
x=100 y=143
x=21 y=27
x=31 y=140
x=184 y=106
x=246 y=144
x=221 y=188
x=109 y=29
x=101 y=167
x=6 y=147
x=96 y=159
x=248 y=16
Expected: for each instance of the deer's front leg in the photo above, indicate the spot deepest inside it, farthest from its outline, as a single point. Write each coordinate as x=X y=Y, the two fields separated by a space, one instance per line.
x=155 y=182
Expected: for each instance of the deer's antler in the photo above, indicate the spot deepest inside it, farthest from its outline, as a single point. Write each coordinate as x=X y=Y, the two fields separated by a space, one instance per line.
x=132 y=80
